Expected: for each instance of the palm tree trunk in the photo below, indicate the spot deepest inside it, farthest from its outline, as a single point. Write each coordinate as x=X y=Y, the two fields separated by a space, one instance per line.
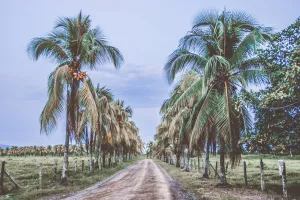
x=115 y=157
x=63 y=180
x=183 y=160
x=86 y=141
x=103 y=159
x=97 y=153
x=99 y=158
x=188 y=165
x=215 y=148
x=178 y=159
x=222 y=163
x=205 y=174
x=66 y=160
x=91 y=151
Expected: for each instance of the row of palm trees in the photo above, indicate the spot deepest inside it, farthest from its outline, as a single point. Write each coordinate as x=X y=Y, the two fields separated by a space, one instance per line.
x=212 y=66
x=56 y=150
x=91 y=112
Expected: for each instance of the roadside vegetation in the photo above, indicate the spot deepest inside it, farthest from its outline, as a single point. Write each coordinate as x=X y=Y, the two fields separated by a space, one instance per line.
x=210 y=188
x=209 y=109
x=25 y=171
x=75 y=46
x=99 y=125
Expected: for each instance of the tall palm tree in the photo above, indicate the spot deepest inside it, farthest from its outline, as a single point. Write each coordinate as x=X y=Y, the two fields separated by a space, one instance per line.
x=74 y=46
x=149 y=149
x=221 y=47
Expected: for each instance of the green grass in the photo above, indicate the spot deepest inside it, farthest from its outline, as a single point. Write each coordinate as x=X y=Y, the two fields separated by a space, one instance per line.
x=25 y=171
x=209 y=189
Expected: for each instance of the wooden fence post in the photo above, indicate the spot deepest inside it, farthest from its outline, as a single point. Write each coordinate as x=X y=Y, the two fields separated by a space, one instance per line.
x=245 y=173
x=226 y=167
x=1 y=177
x=75 y=165
x=100 y=164
x=92 y=166
x=198 y=163
x=41 y=173
x=55 y=168
x=216 y=169
x=282 y=172
x=262 y=181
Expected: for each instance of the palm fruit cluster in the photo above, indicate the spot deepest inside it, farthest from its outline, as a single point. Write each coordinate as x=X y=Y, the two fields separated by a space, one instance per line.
x=76 y=73
x=120 y=122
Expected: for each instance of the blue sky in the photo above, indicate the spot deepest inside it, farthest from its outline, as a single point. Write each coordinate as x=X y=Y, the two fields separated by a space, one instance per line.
x=146 y=32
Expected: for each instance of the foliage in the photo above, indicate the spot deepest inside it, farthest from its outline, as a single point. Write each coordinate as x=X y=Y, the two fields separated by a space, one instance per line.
x=210 y=189
x=75 y=46
x=221 y=48
x=278 y=111
x=25 y=171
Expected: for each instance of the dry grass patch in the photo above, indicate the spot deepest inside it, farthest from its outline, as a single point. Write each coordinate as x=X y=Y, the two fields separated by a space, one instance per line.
x=210 y=189
x=25 y=171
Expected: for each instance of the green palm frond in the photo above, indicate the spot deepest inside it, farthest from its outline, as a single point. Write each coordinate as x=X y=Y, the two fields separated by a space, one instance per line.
x=206 y=18
x=204 y=112
x=252 y=63
x=50 y=47
x=198 y=41
x=215 y=64
x=194 y=90
x=247 y=47
x=103 y=91
x=180 y=60
x=255 y=76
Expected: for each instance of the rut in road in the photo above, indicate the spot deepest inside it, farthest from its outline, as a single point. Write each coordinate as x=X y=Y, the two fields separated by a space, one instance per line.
x=141 y=181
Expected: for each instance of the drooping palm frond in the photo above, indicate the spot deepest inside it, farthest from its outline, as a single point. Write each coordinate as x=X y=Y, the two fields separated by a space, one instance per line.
x=206 y=107
x=50 y=47
x=57 y=86
x=88 y=101
x=196 y=89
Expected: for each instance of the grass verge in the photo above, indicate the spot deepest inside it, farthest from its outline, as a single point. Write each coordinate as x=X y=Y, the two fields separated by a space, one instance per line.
x=210 y=188
x=25 y=171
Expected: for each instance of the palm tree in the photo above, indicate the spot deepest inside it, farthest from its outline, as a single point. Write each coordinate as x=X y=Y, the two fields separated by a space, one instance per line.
x=176 y=120
x=74 y=46
x=221 y=47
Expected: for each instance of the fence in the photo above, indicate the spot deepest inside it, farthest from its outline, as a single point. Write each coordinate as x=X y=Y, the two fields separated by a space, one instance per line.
x=198 y=165
x=42 y=171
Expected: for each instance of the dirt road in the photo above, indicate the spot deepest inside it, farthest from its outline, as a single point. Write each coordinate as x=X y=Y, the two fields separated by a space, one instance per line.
x=143 y=180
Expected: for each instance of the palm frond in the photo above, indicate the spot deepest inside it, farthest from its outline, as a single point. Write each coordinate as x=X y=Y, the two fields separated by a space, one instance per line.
x=205 y=18
x=57 y=84
x=87 y=100
x=182 y=59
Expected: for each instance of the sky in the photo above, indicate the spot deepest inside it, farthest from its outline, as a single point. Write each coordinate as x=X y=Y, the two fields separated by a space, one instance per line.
x=146 y=32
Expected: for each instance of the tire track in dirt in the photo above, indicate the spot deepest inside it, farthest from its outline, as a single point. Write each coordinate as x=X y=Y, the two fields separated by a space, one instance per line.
x=143 y=180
